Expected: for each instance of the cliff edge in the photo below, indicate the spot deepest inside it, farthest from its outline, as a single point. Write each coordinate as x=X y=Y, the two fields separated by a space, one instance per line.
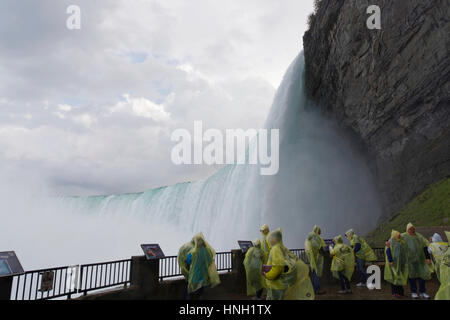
x=389 y=88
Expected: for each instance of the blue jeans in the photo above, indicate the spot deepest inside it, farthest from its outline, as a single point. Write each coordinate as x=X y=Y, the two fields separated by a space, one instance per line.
x=413 y=285
x=315 y=281
x=361 y=269
x=345 y=284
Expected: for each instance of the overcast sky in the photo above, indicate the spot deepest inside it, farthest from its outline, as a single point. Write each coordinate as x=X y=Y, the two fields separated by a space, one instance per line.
x=91 y=111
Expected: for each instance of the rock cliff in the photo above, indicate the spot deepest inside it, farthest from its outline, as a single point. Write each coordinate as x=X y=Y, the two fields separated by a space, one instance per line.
x=388 y=87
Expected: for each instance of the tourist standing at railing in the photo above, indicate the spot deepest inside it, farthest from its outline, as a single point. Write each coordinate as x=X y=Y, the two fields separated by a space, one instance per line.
x=444 y=276
x=265 y=245
x=419 y=262
x=437 y=250
x=314 y=248
x=182 y=262
x=253 y=262
x=287 y=277
x=363 y=253
x=202 y=269
x=396 y=266
x=343 y=264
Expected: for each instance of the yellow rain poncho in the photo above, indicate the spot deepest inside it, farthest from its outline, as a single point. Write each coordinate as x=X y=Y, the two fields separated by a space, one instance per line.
x=265 y=245
x=444 y=289
x=254 y=259
x=313 y=244
x=365 y=253
x=343 y=259
x=438 y=249
x=417 y=265
x=182 y=255
x=203 y=271
x=398 y=273
x=289 y=277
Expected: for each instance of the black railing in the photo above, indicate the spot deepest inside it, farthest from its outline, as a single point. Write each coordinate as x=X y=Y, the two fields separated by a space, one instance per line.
x=379 y=252
x=45 y=284
x=97 y=276
x=301 y=254
x=65 y=282
x=169 y=268
x=224 y=261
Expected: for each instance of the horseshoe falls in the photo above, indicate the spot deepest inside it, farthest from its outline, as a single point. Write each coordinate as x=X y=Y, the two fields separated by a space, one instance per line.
x=321 y=180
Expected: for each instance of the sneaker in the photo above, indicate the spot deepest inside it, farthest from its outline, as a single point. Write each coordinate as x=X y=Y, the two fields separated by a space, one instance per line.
x=361 y=284
x=342 y=291
x=414 y=295
x=349 y=291
x=424 y=296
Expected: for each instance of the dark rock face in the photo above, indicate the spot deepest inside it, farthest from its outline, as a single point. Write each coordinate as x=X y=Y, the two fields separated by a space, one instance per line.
x=389 y=87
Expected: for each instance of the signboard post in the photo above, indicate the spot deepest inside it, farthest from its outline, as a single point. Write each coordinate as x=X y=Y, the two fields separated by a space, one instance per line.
x=152 y=251
x=47 y=278
x=245 y=245
x=9 y=266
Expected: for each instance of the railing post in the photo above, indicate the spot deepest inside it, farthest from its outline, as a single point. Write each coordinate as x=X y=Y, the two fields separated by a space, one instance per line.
x=5 y=287
x=237 y=263
x=145 y=275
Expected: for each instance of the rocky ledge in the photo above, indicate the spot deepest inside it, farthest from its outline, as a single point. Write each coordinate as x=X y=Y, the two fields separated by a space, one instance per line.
x=389 y=88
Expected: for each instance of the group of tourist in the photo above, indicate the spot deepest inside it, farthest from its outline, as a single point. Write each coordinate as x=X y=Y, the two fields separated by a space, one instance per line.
x=274 y=271
x=410 y=257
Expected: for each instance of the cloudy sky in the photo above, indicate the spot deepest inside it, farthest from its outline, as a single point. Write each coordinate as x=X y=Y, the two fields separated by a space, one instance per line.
x=91 y=111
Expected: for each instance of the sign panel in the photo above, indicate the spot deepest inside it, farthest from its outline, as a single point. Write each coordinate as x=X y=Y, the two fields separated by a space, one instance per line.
x=152 y=251
x=245 y=245
x=9 y=264
x=47 y=281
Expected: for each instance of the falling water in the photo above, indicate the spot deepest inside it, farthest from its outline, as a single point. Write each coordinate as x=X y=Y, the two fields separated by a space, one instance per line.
x=321 y=181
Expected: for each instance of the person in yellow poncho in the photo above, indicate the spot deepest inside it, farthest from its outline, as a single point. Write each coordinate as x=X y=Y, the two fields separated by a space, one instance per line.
x=202 y=268
x=343 y=264
x=265 y=245
x=363 y=253
x=184 y=268
x=288 y=278
x=396 y=266
x=437 y=249
x=444 y=275
x=253 y=262
x=418 y=261
x=314 y=245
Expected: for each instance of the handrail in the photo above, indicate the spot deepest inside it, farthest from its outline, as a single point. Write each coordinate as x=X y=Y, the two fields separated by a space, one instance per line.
x=80 y=279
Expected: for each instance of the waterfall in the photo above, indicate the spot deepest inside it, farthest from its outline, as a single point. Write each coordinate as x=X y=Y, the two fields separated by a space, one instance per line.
x=321 y=181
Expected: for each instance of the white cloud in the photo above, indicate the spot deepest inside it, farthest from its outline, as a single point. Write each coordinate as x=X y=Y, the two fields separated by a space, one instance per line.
x=85 y=119
x=142 y=107
x=177 y=60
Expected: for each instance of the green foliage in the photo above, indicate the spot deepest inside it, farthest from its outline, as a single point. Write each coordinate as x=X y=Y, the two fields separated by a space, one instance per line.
x=431 y=208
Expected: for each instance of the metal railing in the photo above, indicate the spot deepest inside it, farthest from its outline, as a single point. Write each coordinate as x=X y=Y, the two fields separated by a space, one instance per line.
x=301 y=254
x=97 y=276
x=224 y=261
x=379 y=252
x=65 y=282
x=44 y=284
x=68 y=281
x=169 y=268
